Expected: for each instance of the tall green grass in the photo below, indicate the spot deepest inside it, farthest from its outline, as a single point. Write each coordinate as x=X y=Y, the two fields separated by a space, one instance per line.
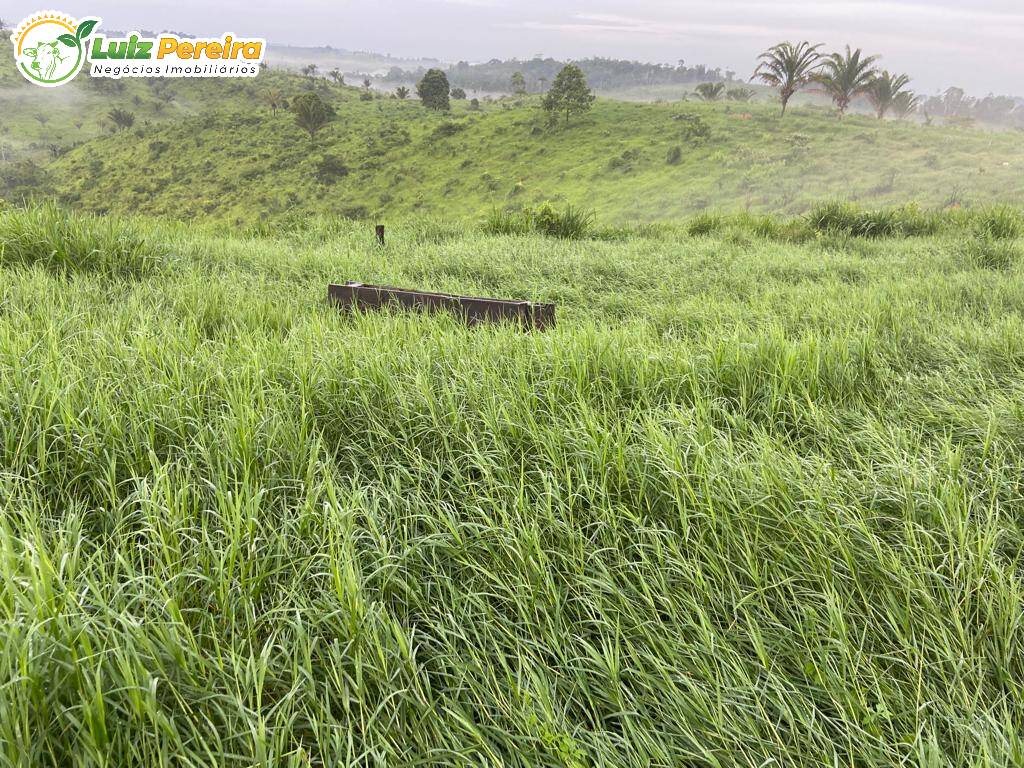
x=65 y=243
x=750 y=503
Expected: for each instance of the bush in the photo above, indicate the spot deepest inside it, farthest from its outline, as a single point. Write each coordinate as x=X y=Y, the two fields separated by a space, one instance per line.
x=838 y=218
x=65 y=243
x=447 y=129
x=624 y=162
x=567 y=224
x=675 y=156
x=331 y=169
x=694 y=129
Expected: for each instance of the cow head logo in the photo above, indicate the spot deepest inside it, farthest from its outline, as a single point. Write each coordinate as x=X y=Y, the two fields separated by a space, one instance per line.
x=49 y=47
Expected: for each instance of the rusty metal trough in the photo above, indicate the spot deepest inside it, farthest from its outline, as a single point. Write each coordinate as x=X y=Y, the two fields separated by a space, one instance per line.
x=473 y=310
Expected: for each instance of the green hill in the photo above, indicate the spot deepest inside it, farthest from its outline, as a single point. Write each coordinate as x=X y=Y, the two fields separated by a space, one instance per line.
x=236 y=162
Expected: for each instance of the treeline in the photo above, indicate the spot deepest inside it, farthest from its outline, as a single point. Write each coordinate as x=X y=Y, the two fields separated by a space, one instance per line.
x=850 y=76
x=538 y=73
x=955 y=106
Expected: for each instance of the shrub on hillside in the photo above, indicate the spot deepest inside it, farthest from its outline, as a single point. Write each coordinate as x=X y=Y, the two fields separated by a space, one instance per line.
x=22 y=179
x=447 y=129
x=331 y=169
x=625 y=161
x=694 y=129
x=675 y=156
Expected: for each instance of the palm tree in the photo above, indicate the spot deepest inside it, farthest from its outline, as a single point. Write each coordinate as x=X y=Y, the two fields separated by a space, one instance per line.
x=710 y=91
x=273 y=99
x=788 y=67
x=740 y=94
x=311 y=114
x=884 y=90
x=402 y=92
x=847 y=76
x=905 y=104
x=337 y=76
x=121 y=118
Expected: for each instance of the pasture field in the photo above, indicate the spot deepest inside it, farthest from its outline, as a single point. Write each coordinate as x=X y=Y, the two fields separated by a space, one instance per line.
x=755 y=501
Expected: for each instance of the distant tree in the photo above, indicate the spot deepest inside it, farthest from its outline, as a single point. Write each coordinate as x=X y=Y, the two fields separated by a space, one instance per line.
x=367 y=83
x=884 y=90
x=846 y=76
x=274 y=99
x=542 y=82
x=309 y=70
x=569 y=94
x=337 y=76
x=518 y=83
x=434 y=90
x=458 y=94
x=474 y=105
x=121 y=118
x=710 y=91
x=402 y=92
x=997 y=109
x=311 y=114
x=954 y=102
x=905 y=104
x=789 y=68
x=41 y=118
x=739 y=94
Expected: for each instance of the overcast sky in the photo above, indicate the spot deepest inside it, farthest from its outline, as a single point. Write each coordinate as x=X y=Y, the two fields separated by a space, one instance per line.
x=976 y=44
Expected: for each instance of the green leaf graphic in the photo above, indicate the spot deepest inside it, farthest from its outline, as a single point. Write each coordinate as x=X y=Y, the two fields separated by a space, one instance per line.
x=85 y=28
x=69 y=40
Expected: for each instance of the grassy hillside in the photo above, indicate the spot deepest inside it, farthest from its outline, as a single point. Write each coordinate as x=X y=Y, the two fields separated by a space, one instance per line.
x=238 y=163
x=32 y=119
x=752 y=502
